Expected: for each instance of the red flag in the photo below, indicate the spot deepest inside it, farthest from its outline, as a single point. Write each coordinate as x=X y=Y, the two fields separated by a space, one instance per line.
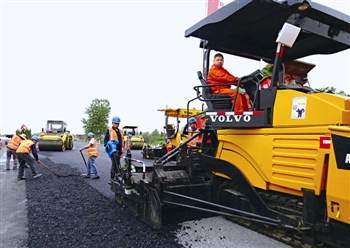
x=23 y=127
x=213 y=5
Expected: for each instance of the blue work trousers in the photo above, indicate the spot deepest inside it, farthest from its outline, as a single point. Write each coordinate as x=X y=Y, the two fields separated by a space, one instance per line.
x=24 y=158
x=91 y=165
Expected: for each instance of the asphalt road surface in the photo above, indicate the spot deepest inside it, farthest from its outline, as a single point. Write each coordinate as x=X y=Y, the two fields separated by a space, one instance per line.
x=206 y=232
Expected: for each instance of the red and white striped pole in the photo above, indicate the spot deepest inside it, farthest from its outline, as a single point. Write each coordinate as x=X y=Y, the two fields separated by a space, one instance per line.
x=138 y=161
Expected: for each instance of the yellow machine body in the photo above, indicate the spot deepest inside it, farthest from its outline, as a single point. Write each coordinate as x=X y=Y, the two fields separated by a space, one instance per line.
x=136 y=136
x=297 y=153
x=55 y=137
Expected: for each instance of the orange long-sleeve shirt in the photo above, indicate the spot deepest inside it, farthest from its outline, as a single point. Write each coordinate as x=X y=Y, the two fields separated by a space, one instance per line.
x=219 y=75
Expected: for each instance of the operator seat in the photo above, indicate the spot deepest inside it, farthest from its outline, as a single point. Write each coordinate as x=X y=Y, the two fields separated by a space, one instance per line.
x=214 y=101
x=170 y=129
x=185 y=129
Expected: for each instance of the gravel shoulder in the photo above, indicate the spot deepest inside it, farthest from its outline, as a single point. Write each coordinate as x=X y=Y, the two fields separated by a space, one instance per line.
x=13 y=211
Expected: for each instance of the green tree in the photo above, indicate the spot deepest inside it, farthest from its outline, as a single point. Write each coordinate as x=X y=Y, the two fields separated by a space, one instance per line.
x=332 y=90
x=97 y=121
x=154 y=138
x=26 y=131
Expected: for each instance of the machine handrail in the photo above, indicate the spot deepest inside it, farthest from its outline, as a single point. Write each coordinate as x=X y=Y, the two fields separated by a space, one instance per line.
x=163 y=160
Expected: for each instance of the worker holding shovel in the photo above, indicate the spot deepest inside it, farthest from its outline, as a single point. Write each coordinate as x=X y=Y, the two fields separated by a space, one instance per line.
x=24 y=149
x=92 y=154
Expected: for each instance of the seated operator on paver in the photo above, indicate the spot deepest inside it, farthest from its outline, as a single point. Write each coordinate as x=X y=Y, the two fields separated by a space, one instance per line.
x=219 y=75
x=288 y=78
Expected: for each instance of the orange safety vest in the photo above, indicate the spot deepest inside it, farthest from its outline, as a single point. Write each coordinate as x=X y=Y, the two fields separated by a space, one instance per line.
x=93 y=149
x=25 y=146
x=169 y=146
x=14 y=142
x=195 y=141
x=113 y=135
x=128 y=144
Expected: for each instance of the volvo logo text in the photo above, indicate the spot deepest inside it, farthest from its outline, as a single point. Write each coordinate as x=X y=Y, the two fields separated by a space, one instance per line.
x=347 y=158
x=230 y=118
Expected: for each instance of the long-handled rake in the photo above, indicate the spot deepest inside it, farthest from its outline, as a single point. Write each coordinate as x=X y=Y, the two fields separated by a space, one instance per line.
x=83 y=158
x=58 y=175
x=85 y=161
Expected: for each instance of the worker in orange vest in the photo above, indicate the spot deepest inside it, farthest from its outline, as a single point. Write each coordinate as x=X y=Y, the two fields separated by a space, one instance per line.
x=92 y=154
x=24 y=149
x=193 y=130
x=128 y=143
x=114 y=145
x=12 y=146
x=168 y=145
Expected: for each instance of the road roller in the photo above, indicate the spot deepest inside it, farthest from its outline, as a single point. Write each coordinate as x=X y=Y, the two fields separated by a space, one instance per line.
x=136 y=136
x=55 y=137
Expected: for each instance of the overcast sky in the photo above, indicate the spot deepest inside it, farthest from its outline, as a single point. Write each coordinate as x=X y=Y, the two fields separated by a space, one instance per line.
x=57 y=56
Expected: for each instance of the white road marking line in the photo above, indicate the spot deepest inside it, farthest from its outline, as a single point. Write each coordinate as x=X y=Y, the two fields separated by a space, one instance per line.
x=3 y=159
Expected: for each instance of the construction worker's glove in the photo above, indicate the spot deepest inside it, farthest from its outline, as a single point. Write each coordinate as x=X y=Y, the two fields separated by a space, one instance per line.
x=242 y=91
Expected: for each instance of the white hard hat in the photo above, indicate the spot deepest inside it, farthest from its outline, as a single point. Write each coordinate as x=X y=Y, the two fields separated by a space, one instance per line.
x=23 y=136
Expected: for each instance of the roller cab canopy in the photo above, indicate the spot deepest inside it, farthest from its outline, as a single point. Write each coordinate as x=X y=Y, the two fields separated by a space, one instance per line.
x=130 y=126
x=180 y=112
x=249 y=28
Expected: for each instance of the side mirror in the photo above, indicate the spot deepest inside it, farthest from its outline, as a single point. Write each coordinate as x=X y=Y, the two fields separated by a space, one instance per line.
x=42 y=130
x=140 y=132
x=64 y=129
x=288 y=35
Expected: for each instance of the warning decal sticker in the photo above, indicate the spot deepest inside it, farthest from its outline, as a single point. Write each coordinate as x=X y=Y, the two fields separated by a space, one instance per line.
x=299 y=108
